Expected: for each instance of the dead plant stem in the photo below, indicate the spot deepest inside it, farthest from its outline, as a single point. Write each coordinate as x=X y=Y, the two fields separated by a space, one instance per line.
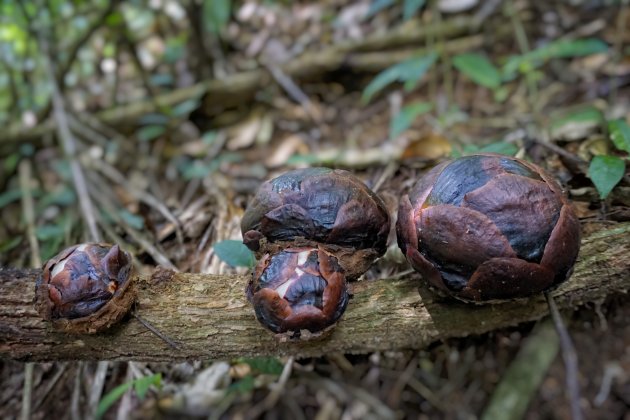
x=569 y=355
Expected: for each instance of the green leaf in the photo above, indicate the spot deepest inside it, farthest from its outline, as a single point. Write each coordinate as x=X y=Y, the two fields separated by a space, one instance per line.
x=47 y=232
x=141 y=386
x=453 y=115
x=111 y=397
x=521 y=381
x=575 y=122
x=154 y=119
x=8 y=244
x=246 y=384
x=175 y=48
x=501 y=94
x=381 y=80
x=162 y=79
x=377 y=6
x=620 y=134
x=234 y=253
x=572 y=48
x=556 y=49
x=268 y=365
x=209 y=137
x=61 y=196
x=49 y=248
x=302 y=159
x=10 y=196
x=606 y=172
x=411 y=7
x=414 y=71
x=501 y=148
x=409 y=71
x=11 y=162
x=150 y=132
x=216 y=14
x=133 y=220
x=198 y=168
x=114 y=19
x=185 y=108
x=406 y=117
x=479 y=69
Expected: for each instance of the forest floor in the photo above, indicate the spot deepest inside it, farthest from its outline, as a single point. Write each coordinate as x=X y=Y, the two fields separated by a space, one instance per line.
x=292 y=87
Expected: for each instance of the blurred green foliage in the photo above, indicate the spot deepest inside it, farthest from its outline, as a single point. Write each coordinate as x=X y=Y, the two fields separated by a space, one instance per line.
x=83 y=35
x=406 y=116
x=234 y=253
x=141 y=387
x=409 y=72
x=409 y=7
x=216 y=14
x=606 y=171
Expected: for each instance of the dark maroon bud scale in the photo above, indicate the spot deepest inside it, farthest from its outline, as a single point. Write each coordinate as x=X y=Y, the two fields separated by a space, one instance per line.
x=489 y=227
x=85 y=288
x=298 y=288
x=312 y=230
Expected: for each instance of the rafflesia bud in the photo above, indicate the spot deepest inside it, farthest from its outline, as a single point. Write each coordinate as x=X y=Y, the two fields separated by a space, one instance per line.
x=313 y=229
x=489 y=227
x=85 y=288
x=298 y=288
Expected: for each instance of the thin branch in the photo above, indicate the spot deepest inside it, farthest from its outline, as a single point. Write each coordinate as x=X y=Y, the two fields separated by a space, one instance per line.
x=276 y=393
x=569 y=355
x=96 y=390
x=293 y=90
x=61 y=369
x=75 y=401
x=155 y=331
x=142 y=240
x=28 y=209
x=28 y=391
x=211 y=318
x=113 y=175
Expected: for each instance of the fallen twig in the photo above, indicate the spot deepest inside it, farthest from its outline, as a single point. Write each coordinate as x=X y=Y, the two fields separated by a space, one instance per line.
x=569 y=355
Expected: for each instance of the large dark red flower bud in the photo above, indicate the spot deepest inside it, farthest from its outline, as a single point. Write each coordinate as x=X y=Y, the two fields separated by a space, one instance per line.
x=298 y=288
x=85 y=288
x=489 y=227
x=317 y=209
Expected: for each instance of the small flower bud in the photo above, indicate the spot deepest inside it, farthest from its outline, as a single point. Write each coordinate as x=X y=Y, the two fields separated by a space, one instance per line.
x=85 y=288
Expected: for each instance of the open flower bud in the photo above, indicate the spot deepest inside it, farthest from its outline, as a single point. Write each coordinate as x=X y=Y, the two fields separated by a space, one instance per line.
x=85 y=288
x=489 y=227
x=298 y=288
x=329 y=212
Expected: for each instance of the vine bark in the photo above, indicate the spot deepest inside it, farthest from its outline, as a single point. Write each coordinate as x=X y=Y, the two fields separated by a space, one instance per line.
x=209 y=317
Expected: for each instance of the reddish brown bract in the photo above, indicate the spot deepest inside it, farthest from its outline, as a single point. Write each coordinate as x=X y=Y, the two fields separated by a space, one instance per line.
x=298 y=288
x=312 y=229
x=489 y=227
x=85 y=288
